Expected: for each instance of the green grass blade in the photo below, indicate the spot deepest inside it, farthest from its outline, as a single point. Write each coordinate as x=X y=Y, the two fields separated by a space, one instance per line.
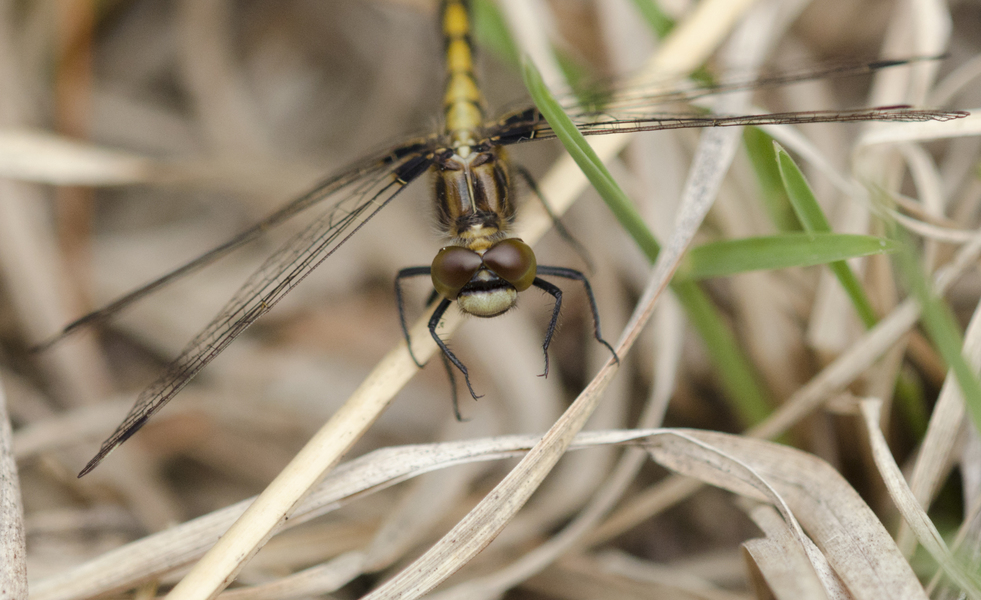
x=940 y=325
x=594 y=169
x=762 y=155
x=802 y=199
x=738 y=377
x=729 y=257
x=812 y=218
x=912 y=401
x=492 y=33
x=659 y=22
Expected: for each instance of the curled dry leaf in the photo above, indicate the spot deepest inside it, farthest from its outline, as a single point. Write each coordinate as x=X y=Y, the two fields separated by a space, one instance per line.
x=848 y=534
x=914 y=515
x=785 y=565
x=856 y=544
x=303 y=88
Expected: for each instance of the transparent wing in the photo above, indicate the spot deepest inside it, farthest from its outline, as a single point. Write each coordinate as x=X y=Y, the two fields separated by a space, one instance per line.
x=640 y=107
x=369 y=185
x=370 y=189
x=686 y=91
x=623 y=94
x=380 y=163
x=629 y=122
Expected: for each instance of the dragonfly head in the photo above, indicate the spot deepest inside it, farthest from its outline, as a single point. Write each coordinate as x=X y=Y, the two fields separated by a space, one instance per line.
x=484 y=283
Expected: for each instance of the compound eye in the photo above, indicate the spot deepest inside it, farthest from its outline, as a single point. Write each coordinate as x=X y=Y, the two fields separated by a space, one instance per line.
x=452 y=269
x=513 y=261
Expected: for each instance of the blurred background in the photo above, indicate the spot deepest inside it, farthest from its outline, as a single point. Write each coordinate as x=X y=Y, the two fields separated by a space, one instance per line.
x=213 y=113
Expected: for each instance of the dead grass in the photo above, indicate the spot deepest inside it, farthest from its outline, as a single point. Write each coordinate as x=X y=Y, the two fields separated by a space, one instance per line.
x=182 y=123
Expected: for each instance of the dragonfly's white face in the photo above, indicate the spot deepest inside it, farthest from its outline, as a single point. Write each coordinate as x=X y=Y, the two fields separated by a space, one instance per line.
x=474 y=204
x=485 y=283
x=486 y=297
x=223 y=110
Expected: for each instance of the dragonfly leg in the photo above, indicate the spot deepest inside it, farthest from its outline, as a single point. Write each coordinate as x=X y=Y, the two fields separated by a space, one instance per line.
x=557 y=294
x=433 y=324
x=456 y=401
x=403 y=274
x=564 y=233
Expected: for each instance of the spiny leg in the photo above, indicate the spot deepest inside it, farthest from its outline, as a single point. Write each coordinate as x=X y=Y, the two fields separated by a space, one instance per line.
x=552 y=289
x=403 y=274
x=456 y=400
x=416 y=272
x=556 y=293
x=577 y=247
x=433 y=324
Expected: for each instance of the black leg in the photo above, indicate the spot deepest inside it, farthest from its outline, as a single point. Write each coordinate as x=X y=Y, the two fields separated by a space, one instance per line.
x=559 y=227
x=456 y=402
x=556 y=293
x=404 y=273
x=570 y=274
x=433 y=324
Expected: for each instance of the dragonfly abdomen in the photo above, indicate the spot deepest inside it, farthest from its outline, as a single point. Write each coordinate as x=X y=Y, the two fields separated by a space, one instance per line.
x=463 y=104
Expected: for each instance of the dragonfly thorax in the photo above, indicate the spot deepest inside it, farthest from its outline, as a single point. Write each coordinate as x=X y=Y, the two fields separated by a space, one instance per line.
x=474 y=207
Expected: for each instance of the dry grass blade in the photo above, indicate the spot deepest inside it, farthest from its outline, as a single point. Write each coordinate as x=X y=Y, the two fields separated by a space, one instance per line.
x=946 y=421
x=315 y=581
x=275 y=505
x=485 y=521
x=216 y=570
x=784 y=566
x=855 y=543
x=45 y=158
x=667 y=580
x=914 y=515
x=833 y=378
x=13 y=549
x=163 y=552
x=222 y=110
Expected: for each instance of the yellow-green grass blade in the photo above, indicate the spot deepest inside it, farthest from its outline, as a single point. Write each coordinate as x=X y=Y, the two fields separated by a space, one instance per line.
x=811 y=216
x=492 y=33
x=729 y=257
x=737 y=374
x=659 y=22
x=912 y=401
x=594 y=169
x=762 y=155
x=940 y=325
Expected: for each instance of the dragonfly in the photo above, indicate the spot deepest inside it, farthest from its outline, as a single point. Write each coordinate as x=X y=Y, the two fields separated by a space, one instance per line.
x=482 y=267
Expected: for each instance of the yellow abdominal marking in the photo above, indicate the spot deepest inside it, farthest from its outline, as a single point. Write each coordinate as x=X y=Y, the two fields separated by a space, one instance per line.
x=462 y=103
x=455 y=22
x=458 y=56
